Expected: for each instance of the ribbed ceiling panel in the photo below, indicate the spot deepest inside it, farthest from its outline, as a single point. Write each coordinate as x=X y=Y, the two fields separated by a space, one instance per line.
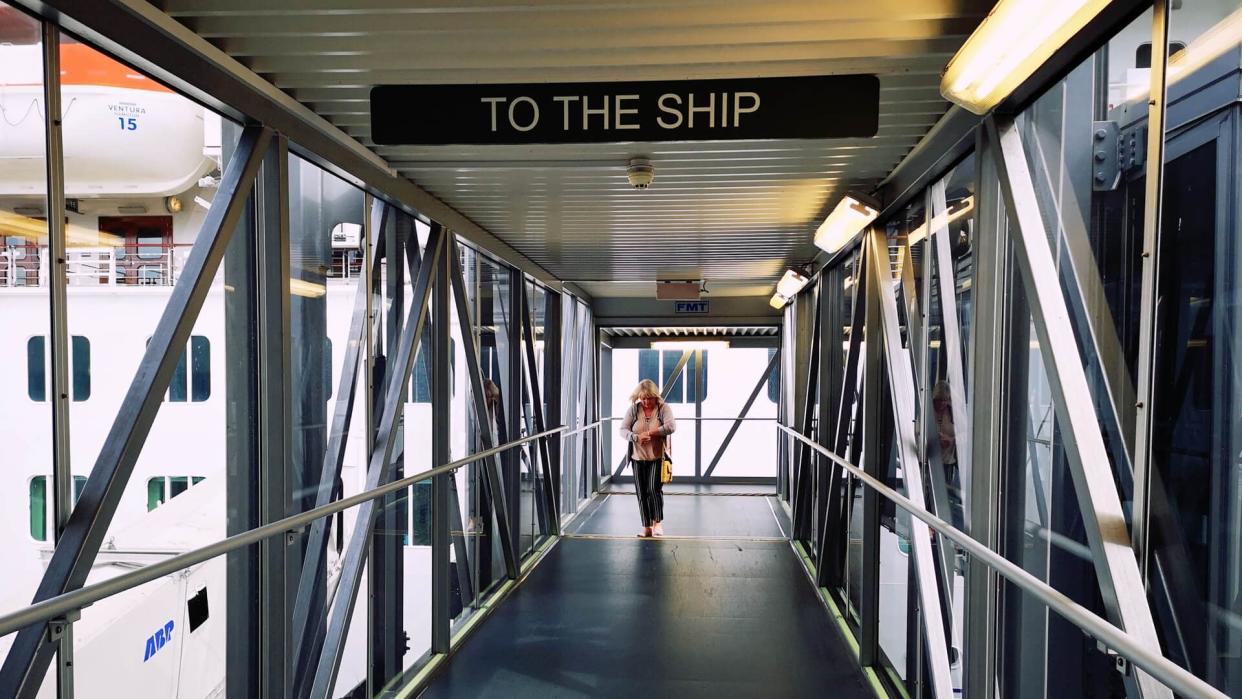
x=723 y=211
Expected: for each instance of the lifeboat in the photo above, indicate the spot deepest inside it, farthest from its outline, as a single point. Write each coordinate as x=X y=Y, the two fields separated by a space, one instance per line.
x=123 y=133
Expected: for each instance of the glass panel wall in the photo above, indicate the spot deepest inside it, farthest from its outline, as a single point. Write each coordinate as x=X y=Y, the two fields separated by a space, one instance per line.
x=142 y=165
x=26 y=521
x=1093 y=219
x=1194 y=504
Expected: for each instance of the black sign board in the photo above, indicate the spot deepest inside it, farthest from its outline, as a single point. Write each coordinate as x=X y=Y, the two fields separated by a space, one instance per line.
x=829 y=106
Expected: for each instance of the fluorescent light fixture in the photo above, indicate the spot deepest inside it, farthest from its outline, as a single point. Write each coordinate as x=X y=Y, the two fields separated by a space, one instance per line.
x=958 y=210
x=310 y=290
x=689 y=344
x=845 y=221
x=778 y=302
x=791 y=283
x=1015 y=39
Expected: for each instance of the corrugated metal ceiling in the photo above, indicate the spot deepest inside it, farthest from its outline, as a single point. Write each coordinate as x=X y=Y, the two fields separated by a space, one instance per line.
x=674 y=331
x=721 y=211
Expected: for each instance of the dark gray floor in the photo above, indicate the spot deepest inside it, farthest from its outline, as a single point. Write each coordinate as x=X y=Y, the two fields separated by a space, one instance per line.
x=699 y=488
x=616 y=514
x=657 y=618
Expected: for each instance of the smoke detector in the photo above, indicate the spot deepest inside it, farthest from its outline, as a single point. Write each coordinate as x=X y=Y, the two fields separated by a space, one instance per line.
x=640 y=173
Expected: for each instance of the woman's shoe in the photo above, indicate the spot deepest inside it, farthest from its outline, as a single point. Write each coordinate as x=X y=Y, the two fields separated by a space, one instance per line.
x=646 y=533
x=657 y=530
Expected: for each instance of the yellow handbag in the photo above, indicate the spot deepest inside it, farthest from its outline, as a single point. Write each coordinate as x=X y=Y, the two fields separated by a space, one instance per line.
x=666 y=469
x=666 y=461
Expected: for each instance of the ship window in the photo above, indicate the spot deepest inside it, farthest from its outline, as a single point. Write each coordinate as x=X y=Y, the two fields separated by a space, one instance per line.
x=40 y=513
x=192 y=383
x=161 y=489
x=649 y=363
x=150 y=247
x=36 y=368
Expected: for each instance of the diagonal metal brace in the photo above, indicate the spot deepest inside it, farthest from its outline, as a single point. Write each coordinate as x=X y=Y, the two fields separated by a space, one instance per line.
x=28 y=659
x=491 y=466
x=308 y=628
x=377 y=472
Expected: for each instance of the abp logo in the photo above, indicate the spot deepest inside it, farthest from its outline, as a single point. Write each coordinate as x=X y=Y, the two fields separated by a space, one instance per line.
x=157 y=641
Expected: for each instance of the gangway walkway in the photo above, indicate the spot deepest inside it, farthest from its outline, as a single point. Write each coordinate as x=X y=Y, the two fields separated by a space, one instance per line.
x=727 y=612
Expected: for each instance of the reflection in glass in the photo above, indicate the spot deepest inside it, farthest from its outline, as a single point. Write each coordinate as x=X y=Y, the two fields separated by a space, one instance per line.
x=1195 y=496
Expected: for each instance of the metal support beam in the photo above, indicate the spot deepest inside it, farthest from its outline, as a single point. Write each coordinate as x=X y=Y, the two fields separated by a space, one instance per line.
x=951 y=345
x=510 y=406
x=1116 y=566
x=552 y=521
x=442 y=486
x=804 y=458
x=1149 y=321
x=874 y=460
x=274 y=424
x=30 y=655
x=491 y=466
x=901 y=387
x=59 y=343
x=830 y=562
x=397 y=383
x=307 y=627
x=989 y=387
x=552 y=393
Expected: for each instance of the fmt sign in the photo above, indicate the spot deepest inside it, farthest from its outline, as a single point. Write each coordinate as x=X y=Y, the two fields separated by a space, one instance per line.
x=828 y=106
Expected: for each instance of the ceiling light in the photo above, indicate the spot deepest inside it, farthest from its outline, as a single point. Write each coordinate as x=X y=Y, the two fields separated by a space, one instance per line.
x=778 y=302
x=689 y=344
x=845 y=221
x=959 y=210
x=793 y=282
x=1015 y=39
x=310 y=290
x=131 y=209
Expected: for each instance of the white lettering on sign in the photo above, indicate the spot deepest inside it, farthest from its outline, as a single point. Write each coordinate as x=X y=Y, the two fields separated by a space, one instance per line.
x=738 y=110
x=711 y=110
x=675 y=112
x=565 y=100
x=534 y=119
x=494 y=101
x=619 y=110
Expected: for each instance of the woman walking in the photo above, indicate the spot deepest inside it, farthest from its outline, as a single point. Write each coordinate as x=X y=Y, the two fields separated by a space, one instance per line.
x=646 y=426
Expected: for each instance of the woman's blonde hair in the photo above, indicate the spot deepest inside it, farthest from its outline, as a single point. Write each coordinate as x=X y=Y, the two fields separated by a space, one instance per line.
x=646 y=388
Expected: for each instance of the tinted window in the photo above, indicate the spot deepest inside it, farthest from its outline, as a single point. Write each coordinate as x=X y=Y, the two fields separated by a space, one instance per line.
x=36 y=368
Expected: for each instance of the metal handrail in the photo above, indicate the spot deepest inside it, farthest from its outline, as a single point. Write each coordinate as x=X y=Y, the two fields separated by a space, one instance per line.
x=708 y=419
x=1170 y=673
x=61 y=605
x=584 y=428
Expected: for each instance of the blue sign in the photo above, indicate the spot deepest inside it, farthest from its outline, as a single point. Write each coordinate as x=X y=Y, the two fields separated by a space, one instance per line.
x=697 y=308
x=157 y=641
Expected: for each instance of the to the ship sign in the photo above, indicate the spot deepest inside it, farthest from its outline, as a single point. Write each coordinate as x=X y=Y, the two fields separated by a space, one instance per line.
x=831 y=106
